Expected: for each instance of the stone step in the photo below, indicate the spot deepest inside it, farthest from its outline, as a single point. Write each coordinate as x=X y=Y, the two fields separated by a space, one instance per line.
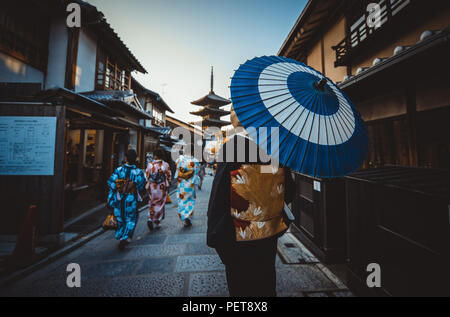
x=293 y=251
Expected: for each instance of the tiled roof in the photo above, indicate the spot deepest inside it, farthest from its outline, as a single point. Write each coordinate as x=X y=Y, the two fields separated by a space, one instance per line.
x=124 y=98
x=427 y=39
x=151 y=92
x=211 y=99
x=161 y=130
x=101 y=26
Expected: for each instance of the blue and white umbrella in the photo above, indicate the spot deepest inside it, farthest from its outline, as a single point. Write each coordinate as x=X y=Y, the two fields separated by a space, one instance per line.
x=320 y=132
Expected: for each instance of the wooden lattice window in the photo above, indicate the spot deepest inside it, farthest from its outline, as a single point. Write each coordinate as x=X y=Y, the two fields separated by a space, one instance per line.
x=110 y=74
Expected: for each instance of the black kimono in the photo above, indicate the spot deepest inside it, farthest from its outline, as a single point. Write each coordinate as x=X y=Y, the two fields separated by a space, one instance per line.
x=244 y=227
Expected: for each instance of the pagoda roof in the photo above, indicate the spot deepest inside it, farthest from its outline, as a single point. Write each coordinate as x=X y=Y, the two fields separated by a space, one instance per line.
x=210 y=110
x=211 y=122
x=211 y=100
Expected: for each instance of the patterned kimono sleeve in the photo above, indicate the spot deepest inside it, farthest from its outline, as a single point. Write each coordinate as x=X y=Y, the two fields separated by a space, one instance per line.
x=196 y=177
x=140 y=179
x=148 y=170
x=178 y=164
x=168 y=173
x=112 y=180
x=112 y=198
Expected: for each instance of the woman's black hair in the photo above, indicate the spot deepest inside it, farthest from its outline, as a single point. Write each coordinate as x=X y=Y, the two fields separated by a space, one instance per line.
x=131 y=156
x=159 y=153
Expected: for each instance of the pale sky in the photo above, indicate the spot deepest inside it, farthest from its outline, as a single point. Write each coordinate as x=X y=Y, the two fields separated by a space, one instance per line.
x=178 y=41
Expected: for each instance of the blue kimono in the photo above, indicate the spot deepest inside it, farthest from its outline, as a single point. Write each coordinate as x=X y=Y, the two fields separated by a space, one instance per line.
x=187 y=176
x=125 y=205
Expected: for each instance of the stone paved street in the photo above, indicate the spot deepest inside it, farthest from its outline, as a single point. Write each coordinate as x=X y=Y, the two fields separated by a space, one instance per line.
x=172 y=261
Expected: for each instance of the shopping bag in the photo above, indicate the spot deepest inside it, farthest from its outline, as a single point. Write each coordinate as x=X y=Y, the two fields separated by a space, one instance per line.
x=110 y=223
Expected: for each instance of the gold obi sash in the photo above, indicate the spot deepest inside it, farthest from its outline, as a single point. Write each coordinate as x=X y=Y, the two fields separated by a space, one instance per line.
x=257 y=202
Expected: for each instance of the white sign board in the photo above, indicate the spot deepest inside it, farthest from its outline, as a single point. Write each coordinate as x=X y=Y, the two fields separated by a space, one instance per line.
x=27 y=145
x=317 y=186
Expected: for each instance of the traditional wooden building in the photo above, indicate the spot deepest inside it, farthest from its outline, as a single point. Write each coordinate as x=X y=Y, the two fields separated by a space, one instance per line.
x=194 y=132
x=211 y=112
x=393 y=64
x=73 y=86
x=153 y=104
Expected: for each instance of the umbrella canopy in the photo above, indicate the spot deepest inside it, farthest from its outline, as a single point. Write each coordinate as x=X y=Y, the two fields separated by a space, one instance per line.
x=320 y=133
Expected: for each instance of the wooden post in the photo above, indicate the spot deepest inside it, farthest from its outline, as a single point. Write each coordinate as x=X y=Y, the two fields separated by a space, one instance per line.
x=72 y=55
x=81 y=156
x=411 y=111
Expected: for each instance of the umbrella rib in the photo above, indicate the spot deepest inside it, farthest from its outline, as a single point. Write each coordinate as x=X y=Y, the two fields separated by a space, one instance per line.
x=290 y=68
x=283 y=67
x=263 y=92
x=276 y=71
x=330 y=165
x=319 y=104
x=334 y=137
x=282 y=110
x=263 y=72
x=266 y=108
x=309 y=137
x=274 y=117
x=286 y=65
x=264 y=66
x=247 y=78
x=292 y=127
x=345 y=115
x=341 y=100
x=312 y=128
x=243 y=86
x=298 y=137
x=308 y=143
x=337 y=147
x=258 y=93
x=328 y=146
x=343 y=123
x=253 y=103
x=344 y=101
x=290 y=131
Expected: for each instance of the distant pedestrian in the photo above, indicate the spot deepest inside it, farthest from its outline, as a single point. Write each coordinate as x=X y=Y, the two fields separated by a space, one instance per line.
x=187 y=178
x=159 y=177
x=125 y=184
x=245 y=217
x=201 y=174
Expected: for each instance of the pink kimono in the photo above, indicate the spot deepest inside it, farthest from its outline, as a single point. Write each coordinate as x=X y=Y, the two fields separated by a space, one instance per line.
x=158 y=176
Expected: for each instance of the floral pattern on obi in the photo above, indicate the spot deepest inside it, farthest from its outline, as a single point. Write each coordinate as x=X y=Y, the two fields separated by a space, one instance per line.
x=257 y=202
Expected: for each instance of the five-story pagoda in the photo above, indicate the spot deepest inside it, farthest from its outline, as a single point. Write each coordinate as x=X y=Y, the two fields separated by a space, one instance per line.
x=211 y=111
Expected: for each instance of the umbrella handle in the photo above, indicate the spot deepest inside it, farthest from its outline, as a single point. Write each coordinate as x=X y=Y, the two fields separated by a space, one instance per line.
x=321 y=84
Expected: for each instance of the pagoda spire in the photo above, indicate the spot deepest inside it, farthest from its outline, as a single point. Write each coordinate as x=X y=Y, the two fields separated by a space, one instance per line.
x=212 y=80
x=211 y=112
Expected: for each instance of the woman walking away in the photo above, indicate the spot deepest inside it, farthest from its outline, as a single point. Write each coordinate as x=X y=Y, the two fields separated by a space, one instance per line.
x=125 y=184
x=201 y=174
x=187 y=177
x=158 y=176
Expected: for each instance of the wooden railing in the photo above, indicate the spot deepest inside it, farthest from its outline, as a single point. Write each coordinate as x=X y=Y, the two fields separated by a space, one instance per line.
x=361 y=31
x=157 y=122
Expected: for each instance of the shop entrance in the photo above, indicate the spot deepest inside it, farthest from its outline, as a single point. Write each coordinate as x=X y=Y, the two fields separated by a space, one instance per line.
x=85 y=171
